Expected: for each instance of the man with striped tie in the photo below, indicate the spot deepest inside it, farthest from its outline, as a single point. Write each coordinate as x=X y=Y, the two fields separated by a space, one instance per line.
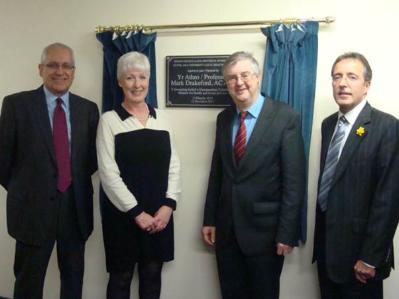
x=358 y=196
x=256 y=186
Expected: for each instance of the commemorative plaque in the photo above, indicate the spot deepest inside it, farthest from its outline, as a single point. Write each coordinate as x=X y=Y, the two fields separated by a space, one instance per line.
x=196 y=81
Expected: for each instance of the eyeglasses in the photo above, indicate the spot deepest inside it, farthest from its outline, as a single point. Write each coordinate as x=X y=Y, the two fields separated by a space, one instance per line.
x=233 y=79
x=54 y=66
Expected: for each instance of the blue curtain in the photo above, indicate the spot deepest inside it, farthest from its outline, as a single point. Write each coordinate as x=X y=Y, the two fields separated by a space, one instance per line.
x=114 y=46
x=289 y=75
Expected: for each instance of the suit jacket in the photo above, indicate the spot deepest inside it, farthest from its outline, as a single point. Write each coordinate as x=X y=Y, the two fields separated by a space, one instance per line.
x=261 y=198
x=28 y=166
x=363 y=202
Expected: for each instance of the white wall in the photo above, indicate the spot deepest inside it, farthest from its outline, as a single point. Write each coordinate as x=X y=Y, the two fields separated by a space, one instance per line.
x=27 y=26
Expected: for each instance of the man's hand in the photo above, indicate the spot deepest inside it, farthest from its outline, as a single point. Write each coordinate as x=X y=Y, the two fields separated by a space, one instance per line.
x=363 y=272
x=209 y=234
x=283 y=249
x=161 y=218
x=145 y=221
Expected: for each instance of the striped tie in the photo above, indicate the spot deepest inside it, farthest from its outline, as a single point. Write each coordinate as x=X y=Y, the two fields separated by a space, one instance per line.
x=331 y=163
x=241 y=137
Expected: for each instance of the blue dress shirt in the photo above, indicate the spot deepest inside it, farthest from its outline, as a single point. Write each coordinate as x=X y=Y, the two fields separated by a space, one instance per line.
x=250 y=118
x=52 y=103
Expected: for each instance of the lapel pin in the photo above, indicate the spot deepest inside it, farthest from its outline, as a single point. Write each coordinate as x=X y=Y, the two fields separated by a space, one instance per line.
x=360 y=131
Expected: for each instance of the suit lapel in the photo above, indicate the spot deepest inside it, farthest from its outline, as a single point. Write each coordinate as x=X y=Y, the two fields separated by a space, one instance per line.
x=353 y=141
x=263 y=124
x=262 y=131
x=226 y=137
x=76 y=120
x=40 y=113
x=328 y=131
x=262 y=127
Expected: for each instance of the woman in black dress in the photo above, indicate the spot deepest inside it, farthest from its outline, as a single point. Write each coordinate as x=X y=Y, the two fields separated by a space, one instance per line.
x=139 y=172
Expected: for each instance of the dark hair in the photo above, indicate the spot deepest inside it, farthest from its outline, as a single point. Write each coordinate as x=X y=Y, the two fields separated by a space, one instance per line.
x=368 y=73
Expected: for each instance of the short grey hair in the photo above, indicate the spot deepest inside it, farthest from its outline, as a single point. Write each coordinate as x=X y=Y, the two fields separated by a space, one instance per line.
x=238 y=56
x=47 y=49
x=368 y=73
x=132 y=60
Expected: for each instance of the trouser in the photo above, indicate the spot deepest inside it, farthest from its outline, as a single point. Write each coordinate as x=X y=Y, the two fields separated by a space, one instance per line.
x=247 y=277
x=31 y=261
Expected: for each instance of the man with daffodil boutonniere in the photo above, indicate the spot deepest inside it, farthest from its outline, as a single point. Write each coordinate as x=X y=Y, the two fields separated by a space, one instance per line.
x=358 y=195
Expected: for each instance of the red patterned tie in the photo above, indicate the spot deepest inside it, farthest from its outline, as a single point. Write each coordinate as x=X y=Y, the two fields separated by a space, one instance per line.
x=61 y=146
x=241 y=137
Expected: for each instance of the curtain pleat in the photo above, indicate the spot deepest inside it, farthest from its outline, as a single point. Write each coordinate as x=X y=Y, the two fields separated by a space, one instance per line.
x=289 y=75
x=114 y=46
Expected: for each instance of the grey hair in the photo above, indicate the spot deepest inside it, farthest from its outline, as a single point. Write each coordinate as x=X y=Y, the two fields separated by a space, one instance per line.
x=368 y=73
x=238 y=56
x=132 y=60
x=47 y=49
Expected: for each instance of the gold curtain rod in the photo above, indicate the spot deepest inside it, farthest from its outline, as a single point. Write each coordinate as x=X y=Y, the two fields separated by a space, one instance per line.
x=137 y=27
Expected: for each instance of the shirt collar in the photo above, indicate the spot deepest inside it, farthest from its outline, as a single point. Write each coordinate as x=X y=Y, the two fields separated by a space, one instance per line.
x=123 y=114
x=255 y=109
x=51 y=98
x=352 y=115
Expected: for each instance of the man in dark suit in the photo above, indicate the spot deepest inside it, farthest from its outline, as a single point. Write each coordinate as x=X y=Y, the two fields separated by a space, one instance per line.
x=256 y=186
x=358 y=196
x=47 y=157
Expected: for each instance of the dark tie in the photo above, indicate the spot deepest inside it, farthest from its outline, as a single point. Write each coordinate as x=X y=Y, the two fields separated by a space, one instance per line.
x=241 y=137
x=61 y=146
x=331 y=163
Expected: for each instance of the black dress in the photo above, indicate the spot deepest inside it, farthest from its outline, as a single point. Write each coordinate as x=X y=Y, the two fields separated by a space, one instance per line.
x=143 y=158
